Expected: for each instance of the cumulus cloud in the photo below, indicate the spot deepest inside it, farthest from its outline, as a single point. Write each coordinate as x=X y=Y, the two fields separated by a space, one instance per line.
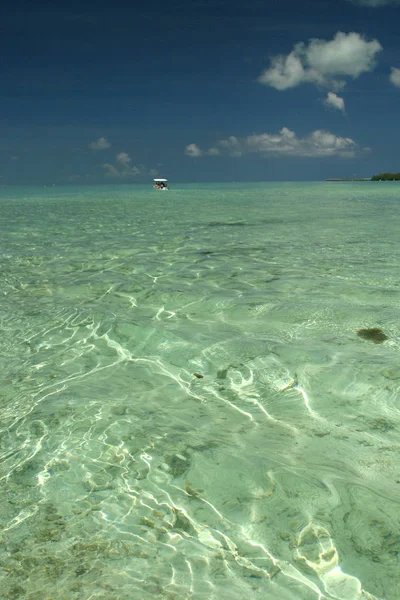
x=100 y=144
x=213 y=152
x=334 y=101
x=111 y=171
x=285 y=72
x=395 y=76
x=319 y=143
x=124 y=159
x=375 y=3
x=233 y=146
x=322 y=62
x=124 y=168
x=193 y=150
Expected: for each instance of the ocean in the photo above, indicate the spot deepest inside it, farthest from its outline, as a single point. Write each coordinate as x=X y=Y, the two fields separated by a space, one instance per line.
x=200 y=392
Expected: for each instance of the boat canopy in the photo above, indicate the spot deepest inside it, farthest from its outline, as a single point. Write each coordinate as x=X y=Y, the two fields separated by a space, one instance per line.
x=160 y=180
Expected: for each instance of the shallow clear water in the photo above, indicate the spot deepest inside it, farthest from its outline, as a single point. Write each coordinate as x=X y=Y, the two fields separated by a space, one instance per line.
x=273 y=475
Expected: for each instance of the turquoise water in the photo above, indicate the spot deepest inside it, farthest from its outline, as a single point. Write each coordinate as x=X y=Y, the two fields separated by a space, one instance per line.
x=273 y=473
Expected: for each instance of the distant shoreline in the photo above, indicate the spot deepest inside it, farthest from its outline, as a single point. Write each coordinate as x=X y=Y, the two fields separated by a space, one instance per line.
x=379 y=177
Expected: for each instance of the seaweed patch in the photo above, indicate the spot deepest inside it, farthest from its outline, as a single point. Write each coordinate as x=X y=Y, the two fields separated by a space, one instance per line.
x=374 y=334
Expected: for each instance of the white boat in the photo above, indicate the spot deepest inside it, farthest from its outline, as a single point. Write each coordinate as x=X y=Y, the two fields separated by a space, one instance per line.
x=161 y=184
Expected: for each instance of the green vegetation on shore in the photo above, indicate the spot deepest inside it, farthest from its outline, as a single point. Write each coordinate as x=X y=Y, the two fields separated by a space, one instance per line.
x=386 y=177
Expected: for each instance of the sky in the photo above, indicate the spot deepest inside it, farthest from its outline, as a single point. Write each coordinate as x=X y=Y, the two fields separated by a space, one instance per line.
x=204 y=90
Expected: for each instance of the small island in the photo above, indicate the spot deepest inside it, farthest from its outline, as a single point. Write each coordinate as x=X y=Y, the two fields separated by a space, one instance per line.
x=386 y=177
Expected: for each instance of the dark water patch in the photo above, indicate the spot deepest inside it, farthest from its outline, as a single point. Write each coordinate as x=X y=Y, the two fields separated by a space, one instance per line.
x=178 y=464
x=228 y=224
x=373 y=334
x=230 y=251
x=234 y=250
x=382 y=425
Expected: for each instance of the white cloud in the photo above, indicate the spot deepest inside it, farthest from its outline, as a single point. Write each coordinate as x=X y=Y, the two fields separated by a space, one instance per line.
x=124 y=159
x=375 y=3
x=285 y=72
x=100 y=144
x=124 y=168
x=233 y=146
x=395 y=76
x=193 y=150
x=111 y=171
x=135 y=171
x=286 y=143
x=321 y=62
x=334 y=101
x=319 y=143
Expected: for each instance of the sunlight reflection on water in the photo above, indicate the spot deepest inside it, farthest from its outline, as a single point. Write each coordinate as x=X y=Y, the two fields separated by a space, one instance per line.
x=187 y=410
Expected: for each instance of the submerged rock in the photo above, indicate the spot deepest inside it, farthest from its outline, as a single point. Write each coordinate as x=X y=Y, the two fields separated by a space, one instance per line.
x=391 y=373
x=222 y=373
x=373 y=334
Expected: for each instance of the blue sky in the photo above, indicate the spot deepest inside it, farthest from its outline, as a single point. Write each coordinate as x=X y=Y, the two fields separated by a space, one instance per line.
x=100 y=92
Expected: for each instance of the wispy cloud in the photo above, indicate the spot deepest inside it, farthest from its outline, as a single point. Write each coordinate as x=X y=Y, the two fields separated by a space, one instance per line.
x=395 y=76
x=334 y=101
x=100 y=144
x=319 y=143
x=322 y=63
